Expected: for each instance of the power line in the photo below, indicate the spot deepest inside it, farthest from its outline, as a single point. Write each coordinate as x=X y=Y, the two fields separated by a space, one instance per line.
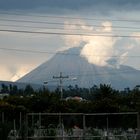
x=27 y=26
x=60 y=28
x=29 y=51
x=78 y=75
x=60 y=53
x=102 y=74
x=67 y=34
x=94 y=74
x=62 y=24
x=69 y=17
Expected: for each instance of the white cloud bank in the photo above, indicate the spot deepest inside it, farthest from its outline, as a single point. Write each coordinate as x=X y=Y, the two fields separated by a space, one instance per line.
x=100 y=49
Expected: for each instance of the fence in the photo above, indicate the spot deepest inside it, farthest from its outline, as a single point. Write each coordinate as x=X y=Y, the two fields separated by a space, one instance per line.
x=97 y=126
x=75 y=126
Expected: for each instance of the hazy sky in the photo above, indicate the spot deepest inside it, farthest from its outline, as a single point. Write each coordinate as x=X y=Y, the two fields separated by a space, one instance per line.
x=22 y=52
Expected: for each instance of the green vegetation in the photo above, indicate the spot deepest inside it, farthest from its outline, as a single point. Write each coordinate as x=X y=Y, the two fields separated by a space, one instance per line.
x=97 y=99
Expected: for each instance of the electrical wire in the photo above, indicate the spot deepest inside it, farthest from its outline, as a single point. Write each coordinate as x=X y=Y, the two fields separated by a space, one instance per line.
x=68 y=34
x=77 y=76
x=69 y=17
x=63 y=24
x=59 y=28
x=102 y=74
x=61 y=53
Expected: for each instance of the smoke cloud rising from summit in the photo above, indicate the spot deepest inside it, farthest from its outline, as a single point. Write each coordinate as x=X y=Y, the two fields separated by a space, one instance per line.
x=98 y=50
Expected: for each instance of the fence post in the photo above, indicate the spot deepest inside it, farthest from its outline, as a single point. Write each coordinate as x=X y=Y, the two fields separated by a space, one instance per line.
x=20 y=120
x=138 y=120
x=26 y=127
x=84 y=125
x=107 y=123
x=2 y=117
x=138 y=126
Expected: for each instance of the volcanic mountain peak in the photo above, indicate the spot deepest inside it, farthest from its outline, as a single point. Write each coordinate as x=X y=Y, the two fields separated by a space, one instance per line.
x=71 y=63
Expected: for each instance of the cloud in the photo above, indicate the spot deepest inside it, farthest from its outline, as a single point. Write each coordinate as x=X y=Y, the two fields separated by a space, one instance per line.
x=13 y=72
x=20 y=71
x=97 y=49
x=75 y=28
x=136 y=37
x=5 y=73
x=16 y=60
x=107 y=26
x=15 y=65
x=102 y=48
x=53 y=5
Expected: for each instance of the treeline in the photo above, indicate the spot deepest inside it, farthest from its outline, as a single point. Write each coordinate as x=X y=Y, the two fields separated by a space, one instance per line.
x=102 y=98
x=14 y=90
x=97 y=99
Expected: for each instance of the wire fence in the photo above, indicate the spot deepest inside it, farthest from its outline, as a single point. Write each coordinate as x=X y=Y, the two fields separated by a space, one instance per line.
x=72 y=126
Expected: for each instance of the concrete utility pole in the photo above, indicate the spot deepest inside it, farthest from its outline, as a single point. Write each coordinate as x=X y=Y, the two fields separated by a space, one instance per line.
x=61 y=77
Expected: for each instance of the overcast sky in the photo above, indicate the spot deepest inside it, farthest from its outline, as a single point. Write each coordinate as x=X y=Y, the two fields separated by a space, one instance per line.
x=22 y=52
x=70 y=4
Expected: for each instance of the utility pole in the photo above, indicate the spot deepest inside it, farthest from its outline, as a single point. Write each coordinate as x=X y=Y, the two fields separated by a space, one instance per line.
x=61 y=77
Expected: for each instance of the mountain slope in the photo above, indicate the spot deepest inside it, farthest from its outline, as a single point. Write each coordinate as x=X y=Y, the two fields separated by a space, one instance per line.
x=72 y=64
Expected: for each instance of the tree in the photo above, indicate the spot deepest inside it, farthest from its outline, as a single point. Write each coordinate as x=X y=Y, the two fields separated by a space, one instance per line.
x=106 y=99
x=28 y=90
x=105 y=91
x=4 y=88
x=13 y=89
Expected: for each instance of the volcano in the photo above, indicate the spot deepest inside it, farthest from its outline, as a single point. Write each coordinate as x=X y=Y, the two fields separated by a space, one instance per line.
x=71 y=63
